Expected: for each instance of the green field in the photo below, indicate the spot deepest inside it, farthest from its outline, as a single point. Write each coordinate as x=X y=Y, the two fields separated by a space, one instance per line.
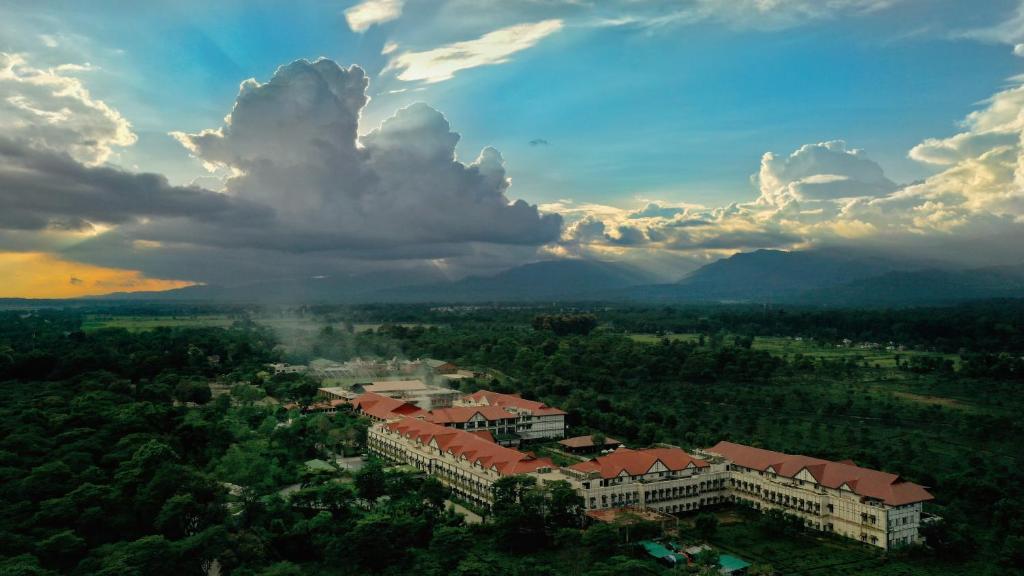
x=784 y=346
x=286 y=323
x=140 y=323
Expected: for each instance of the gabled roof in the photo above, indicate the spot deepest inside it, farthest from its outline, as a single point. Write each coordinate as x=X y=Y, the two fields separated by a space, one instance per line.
x=884 y=486
x=434 y=363
x=466 y=413
x=473 y=448
x=486 y=435
x=638 y=462
x=586 y=442
x=383 y=407
x=512 y=401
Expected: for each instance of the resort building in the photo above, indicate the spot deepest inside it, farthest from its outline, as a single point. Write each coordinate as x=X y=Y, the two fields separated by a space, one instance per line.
x=500 y=423
x=875 y=507
x=413 y=391
x=282 y=368
x=534 y=420
x=667 y=480
x=335 y=393
x=465 y=462
x=439 y=366
x=380 y=408
x=461 y=447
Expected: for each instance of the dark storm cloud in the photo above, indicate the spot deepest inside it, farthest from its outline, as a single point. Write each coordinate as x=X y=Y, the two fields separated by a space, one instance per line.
x=40 y=189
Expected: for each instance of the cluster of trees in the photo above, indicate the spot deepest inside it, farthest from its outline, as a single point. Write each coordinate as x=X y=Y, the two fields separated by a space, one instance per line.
x=115 y=458
x=565 y=324
x=112 y=466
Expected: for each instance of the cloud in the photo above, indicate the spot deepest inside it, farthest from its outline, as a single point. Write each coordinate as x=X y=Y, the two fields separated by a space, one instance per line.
x=53 y=110
x=784 y=13
x=1007 y=30
x=496 y=47
x=371 y=12
x=826 y=194
x=304 y=195
x=656 y=210
x=744 y=14
x=44 y=190
x=292 y=143
x=824 y=171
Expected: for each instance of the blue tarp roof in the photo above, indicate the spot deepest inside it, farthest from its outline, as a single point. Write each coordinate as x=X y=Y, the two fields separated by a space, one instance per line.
x=731 y=563
x=658 y=551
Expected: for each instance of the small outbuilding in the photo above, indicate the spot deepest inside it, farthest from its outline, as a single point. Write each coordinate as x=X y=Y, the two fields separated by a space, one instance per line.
x=586 y=445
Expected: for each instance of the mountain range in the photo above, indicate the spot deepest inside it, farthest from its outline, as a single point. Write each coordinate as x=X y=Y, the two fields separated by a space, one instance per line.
x=818 y=278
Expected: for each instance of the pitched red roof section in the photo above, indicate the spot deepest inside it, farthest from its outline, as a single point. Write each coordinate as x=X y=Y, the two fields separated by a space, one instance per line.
x=513 y=401
x=638 y=462
x=466 y=413
x=884 y=486
x=469 y=446
x=586 y=442
x=383 y=407
x=486 y=435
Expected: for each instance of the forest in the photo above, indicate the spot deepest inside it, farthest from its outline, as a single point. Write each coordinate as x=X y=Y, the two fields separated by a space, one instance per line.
x=167 y=450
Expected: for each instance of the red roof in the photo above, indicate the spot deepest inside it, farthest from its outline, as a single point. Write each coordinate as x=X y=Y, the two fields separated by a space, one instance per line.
x=485 y=434
x=469 y=446
x=888 y=488
x=466 y=413
x=586 y=442
x=513 y=401
x=383 y=407
x=638 y=462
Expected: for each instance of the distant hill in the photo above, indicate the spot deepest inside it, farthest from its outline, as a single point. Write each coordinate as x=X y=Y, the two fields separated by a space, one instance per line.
x=547 y=280
x=283 y=291
x=923 y=288
x=767 y=274
x=815 y=278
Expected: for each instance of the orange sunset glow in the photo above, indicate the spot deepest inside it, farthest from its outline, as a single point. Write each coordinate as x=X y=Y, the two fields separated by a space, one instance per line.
x=41 y=275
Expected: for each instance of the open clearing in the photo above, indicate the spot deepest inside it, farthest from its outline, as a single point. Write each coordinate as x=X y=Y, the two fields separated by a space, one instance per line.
x=785 y=346
x=140 y=323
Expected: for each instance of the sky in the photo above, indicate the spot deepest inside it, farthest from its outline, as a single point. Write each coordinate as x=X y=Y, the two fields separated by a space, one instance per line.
x=152 y=146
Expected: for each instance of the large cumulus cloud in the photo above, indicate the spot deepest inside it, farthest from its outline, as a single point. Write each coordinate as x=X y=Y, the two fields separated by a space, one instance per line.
x=293 y=144
x=304 y=194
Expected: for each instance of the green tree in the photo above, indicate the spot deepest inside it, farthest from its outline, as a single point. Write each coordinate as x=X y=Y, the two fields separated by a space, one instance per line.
x=371 y=481
x=601 y=538
x=706 y=524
